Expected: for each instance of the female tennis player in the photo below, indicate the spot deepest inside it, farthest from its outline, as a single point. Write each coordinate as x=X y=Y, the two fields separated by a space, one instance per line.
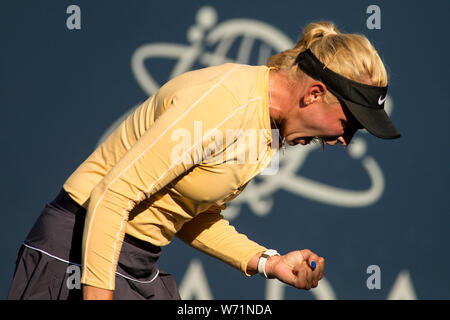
x=170 y=168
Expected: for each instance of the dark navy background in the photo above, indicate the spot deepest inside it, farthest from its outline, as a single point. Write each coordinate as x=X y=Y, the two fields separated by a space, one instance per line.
x=61 y=89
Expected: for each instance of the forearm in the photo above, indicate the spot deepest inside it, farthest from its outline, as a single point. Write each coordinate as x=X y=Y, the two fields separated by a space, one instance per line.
x=211 y=234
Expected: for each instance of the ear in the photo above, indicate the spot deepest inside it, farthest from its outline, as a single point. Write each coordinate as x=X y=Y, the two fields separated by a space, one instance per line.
x=315 y=93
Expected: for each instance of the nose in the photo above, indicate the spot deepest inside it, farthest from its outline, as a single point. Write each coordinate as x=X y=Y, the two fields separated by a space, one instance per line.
x=332 y=142
x=342 y=141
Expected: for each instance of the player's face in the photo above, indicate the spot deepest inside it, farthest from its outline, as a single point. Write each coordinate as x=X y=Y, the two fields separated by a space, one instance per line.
x=330 y=122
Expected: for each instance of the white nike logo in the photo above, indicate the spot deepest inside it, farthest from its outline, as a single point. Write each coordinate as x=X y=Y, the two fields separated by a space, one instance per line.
x=381 y=101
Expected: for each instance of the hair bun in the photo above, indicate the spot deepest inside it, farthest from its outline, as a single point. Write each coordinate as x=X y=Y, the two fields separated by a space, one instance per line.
x=316 y=31
x=357 y=59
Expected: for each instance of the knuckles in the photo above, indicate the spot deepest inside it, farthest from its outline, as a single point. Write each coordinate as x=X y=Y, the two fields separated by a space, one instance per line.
x=305 y=277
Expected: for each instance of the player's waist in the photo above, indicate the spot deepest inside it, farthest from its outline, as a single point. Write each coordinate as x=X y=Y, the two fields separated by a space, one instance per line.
x=65 y=201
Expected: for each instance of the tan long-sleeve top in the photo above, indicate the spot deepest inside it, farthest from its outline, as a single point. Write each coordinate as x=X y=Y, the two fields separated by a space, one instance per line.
x=172 y=165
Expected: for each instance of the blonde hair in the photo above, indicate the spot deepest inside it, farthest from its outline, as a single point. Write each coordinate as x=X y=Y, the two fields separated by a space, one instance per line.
x=350 y=55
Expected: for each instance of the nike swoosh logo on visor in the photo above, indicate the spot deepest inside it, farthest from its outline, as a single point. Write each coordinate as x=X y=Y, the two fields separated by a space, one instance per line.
x=381 y=101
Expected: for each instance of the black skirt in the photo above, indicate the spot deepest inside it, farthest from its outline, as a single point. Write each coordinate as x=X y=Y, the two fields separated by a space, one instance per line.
x=48 y=263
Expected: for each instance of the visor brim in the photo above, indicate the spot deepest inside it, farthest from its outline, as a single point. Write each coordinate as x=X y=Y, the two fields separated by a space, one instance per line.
x=376 y=121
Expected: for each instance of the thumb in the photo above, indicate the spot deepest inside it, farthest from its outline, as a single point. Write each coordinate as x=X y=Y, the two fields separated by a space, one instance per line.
x=309 y=257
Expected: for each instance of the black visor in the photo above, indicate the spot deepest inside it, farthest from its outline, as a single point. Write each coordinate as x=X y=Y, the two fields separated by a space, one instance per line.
x=365 y=102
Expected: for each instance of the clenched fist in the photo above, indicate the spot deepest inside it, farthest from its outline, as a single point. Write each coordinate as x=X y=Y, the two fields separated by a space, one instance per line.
x=302 y=269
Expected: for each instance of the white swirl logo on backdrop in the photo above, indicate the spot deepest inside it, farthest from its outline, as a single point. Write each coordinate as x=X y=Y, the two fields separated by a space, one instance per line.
x=223 y=36
x=258 y=41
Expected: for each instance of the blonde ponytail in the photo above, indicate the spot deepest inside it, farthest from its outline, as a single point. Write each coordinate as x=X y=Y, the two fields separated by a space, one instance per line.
x=350 y=55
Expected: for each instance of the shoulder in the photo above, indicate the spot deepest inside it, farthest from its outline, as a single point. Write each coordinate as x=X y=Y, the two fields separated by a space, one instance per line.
x=228 y=92
x=227 y=80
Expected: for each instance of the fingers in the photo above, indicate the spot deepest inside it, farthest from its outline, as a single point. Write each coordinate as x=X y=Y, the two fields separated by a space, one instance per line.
x=304 y=276
x=313 y=272
x=297 y=269
x=310 y=278
x=321 y=267
x=318 y=271
x=310 y=257
x=306 y=254
x=313 y=260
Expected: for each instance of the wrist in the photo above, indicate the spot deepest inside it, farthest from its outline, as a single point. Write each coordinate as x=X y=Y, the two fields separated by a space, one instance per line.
x=270 y=264
x=266 y=262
